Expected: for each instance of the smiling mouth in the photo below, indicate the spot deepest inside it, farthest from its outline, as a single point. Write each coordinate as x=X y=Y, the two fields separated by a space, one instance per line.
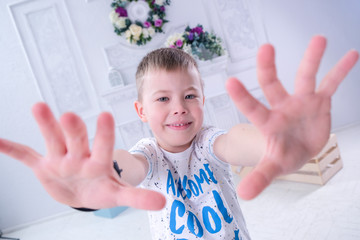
x=179 y=125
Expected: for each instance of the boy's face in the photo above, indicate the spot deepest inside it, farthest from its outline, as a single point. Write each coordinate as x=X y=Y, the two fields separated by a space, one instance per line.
x=172 y=104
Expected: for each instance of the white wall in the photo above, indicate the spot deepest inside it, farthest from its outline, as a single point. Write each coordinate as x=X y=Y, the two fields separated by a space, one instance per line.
x=289 y=26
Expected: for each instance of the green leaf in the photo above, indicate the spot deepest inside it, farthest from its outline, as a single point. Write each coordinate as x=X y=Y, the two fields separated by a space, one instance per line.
x=127 y=22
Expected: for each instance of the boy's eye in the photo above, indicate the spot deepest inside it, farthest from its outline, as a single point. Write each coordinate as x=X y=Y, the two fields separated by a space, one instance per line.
x=190 y=96
x=163 y=99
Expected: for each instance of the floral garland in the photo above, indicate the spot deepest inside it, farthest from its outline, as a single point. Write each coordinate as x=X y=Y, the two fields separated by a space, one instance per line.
x=200 y=44
x=138 y=32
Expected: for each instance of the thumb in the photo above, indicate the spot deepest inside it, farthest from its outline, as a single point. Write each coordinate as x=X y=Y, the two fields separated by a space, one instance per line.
x=258 y=179
x=19 y=152
x=141 y=199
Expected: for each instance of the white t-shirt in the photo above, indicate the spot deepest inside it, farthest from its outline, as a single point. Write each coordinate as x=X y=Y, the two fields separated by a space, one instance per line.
x=201 y=199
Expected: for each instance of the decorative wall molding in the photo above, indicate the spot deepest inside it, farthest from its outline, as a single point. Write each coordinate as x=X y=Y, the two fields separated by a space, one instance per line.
x=213 y=66
x=55 y=59
x=131 y=132
x=125 y=57
x=240 y=25
x=221 y=112
x=121 y=101
x=242 y=30
x=238 y=28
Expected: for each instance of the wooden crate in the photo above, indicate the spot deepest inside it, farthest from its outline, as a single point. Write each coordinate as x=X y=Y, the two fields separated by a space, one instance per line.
x=317 y=171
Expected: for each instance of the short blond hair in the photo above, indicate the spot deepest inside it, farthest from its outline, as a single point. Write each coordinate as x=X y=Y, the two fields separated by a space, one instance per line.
x=168 y=59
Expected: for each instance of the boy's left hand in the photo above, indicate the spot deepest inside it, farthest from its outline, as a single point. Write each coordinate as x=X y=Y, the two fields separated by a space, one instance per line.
x=297 y=126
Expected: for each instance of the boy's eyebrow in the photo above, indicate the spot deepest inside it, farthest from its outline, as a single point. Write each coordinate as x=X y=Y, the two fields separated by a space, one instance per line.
x=160 y=92
x=192 y=88
x=167 y=91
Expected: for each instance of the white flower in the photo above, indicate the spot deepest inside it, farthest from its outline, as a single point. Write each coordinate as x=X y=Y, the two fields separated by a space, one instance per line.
x=136 y=38
x=173 y=38
x=113 y=16
x=121 y=22
x=145 y=33
x=159 y=2
x=187 y=48
x=155 y=17
x=151 y=31
x=127 y=34
x=135 y=30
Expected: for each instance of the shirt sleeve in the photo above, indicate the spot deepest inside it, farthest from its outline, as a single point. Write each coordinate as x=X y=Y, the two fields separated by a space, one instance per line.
x=147 y=148
x=206 y=138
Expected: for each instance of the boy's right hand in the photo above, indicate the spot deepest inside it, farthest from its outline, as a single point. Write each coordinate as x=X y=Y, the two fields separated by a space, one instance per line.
x=74 y=175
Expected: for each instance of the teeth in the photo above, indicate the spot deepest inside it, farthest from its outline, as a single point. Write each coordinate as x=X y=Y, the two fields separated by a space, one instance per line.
x=179 y=125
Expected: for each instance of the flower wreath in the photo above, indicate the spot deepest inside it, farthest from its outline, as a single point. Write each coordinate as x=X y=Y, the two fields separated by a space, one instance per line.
x=138 y=20
x=198 y=43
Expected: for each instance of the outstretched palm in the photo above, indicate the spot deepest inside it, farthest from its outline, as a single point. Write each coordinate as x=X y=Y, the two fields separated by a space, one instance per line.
x=297 y=126
x=74 y=175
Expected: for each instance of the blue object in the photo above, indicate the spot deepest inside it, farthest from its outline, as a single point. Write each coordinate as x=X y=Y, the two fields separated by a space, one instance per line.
x=109 y=212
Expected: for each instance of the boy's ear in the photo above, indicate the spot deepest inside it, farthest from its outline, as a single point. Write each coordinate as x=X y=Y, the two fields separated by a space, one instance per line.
x=140 y=111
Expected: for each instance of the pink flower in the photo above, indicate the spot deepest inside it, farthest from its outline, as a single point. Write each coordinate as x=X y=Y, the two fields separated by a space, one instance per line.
x=158 y=23
x=147 y=24
x=179 y=43
x=172 y=46
x=197 y=30
x=121 y=11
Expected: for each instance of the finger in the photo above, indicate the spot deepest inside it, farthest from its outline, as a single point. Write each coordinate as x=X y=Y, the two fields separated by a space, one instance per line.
x=50 y=129
x=20 y=152
x=76 y=137
x=306 y=76
x=333 y=79
x=257 y=180
x=266 y=72
x=247 y=104
x=104 y=138
x=141 y=199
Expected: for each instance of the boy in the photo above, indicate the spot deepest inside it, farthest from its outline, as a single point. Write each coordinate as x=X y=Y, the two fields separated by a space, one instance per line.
x=188 y=163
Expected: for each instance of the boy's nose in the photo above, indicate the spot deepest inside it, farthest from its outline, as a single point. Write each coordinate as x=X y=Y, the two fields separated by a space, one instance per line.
x=179 y=108
x=180 y=112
